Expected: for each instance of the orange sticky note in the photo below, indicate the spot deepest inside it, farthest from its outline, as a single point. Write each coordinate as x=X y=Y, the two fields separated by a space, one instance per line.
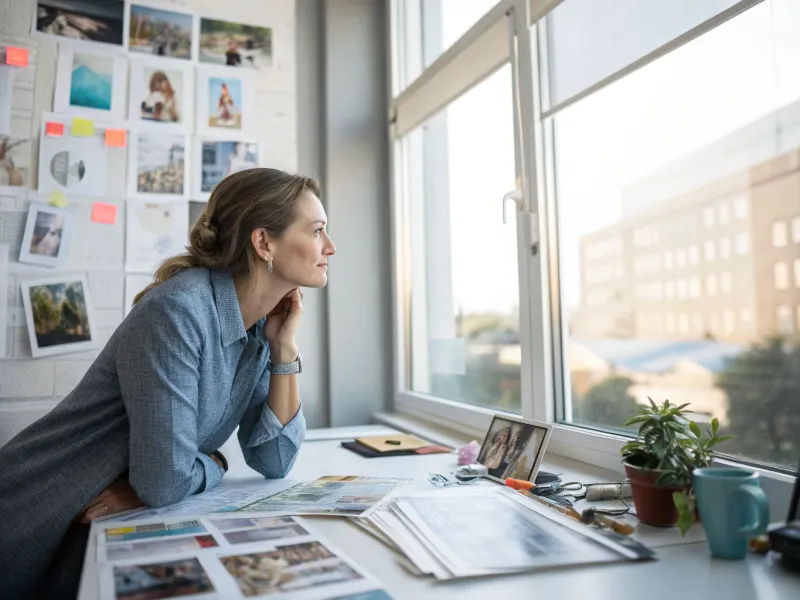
x=104 y=213
x=16 y=57
x=54 y=129
x=82 y=127
x=116 y=138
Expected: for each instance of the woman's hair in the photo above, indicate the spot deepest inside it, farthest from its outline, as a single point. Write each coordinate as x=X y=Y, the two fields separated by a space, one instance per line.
x=240 y=203
x=157 y=79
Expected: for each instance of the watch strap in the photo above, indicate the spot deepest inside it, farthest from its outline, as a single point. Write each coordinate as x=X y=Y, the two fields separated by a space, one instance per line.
x=290 y=368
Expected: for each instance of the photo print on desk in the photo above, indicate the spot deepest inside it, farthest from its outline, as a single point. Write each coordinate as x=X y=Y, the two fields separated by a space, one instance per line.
x=170 y=579
x=82 y=20
x=59 y=314
x=90 y=84
x=47 y=237
x=159 y=32
x=225 y=102
x=234 y=44
x=75 y=166
x=161 y=96
x=514 y=447
x=217 y=160
x=158 y=165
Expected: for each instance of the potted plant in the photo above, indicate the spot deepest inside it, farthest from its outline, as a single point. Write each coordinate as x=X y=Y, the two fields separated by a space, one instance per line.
x=660 y=462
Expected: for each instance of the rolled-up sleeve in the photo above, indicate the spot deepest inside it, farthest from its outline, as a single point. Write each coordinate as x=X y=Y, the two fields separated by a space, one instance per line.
x=269 y=447
x=158 y=369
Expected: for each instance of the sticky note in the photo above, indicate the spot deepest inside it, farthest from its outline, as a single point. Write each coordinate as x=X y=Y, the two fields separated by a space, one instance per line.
x=54 y=129
x=57 y=199
x=104 y=213
x=16 y=57
x=116 y=138
x=82 y=127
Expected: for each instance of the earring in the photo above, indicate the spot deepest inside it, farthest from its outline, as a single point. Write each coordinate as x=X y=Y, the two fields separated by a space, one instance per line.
x=269 y=264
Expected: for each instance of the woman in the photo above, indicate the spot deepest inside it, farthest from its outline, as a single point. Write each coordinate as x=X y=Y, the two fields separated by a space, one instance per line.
x=160 y=104
x=224 y=105
x=206 y=348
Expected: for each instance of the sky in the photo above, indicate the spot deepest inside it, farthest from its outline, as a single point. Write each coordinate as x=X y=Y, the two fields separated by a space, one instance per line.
x=716 y=84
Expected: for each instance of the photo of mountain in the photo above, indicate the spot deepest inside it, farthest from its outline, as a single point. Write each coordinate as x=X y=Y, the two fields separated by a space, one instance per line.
x=92 y=81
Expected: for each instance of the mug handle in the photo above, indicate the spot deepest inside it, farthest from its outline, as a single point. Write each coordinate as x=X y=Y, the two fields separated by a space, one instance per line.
x=754 y=495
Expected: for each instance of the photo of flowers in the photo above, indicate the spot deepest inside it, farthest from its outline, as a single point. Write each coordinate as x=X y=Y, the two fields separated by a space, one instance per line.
x=47 y=236
x=58 y=312
x=235 y=44
x=160 y=32
x=86 y=20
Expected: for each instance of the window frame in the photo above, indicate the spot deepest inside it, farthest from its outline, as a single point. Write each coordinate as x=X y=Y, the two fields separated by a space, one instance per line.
x=544 y=395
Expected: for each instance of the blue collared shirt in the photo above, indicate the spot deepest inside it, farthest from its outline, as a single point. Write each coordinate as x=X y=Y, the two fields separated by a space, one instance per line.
x=172 y=384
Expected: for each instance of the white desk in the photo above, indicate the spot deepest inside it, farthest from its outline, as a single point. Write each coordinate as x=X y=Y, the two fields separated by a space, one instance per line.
x=684 y=569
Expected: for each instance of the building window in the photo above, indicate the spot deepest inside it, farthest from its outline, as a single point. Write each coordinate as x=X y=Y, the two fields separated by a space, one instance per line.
x=726 y=283
x=710 y=251
x=797 y=272
x=695 y=287
x=781 y=272
x=724 y=212
x=683 y=289
x=780 y=234
x=725 y=248
x=740 y=207
x=711 y=285
x=785 y=320
x=708 y=216
x=742 y=244
x=796 y=229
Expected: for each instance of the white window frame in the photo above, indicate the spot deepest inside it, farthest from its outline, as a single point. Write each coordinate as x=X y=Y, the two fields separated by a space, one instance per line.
x=472 y=58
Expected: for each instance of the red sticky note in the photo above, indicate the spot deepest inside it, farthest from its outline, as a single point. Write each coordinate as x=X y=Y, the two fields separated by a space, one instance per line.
x=16 y=57
x=54 y=129
x=116 y=138
x=104 y=213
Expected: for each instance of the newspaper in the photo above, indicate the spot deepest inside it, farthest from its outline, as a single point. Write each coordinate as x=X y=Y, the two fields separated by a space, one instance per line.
x=225 y=557
x=492 y=530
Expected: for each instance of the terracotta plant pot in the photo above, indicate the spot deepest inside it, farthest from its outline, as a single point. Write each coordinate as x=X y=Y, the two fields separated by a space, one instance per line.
x=654 y=504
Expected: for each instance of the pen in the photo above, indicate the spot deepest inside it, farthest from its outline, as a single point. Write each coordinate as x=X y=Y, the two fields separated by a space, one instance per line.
x=564 y=510
x=605 y=521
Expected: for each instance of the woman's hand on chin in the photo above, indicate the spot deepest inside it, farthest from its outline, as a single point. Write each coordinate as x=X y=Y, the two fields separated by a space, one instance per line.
x=281 y=327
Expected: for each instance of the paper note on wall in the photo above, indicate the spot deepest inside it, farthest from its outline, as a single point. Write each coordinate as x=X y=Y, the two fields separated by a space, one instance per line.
x=16 y=57
x=154 y=231
x=104 y=213
x=82 y=127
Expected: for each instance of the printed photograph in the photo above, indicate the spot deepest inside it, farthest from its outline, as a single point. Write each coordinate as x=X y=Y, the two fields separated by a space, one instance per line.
x=46 y=239
x=160 y=32
x=92 y=81
x=57 y=312
x=511 y=449
x=161 y=580
x=163 y=96
x=225 y=102
x=234 y=44
x=87 y=20
x=146 y=549
x=14 y=161
x=220 y=159
x=288 y=569
x=155 y=530
x=160 y=164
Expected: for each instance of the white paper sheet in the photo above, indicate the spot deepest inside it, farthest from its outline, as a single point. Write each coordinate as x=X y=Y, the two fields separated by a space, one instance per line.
x=154 y=232
x=133 y=285
x=6 y=96
x=75 y=166
x=3 y=300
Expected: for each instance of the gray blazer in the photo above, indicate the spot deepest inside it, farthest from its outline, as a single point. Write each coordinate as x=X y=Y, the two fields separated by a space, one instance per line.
x=173 y=382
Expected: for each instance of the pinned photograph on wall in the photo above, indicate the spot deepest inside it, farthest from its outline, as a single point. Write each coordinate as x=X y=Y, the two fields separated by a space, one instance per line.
x=235 y=44
x=58 y=311
x=84 y=20
x=75 y=166
x=161 y=96
x=15 y=162
x=225 y=102
x=154 y=232
x=158 y=166
x=48 y=232
x=159 y=32
x=217 y=160
x=90 y=84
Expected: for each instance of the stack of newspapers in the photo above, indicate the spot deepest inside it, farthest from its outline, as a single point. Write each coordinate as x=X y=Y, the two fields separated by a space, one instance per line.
x=485 y=530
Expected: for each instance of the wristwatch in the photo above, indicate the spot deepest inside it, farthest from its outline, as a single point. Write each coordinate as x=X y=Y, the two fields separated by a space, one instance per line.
x=290 y=368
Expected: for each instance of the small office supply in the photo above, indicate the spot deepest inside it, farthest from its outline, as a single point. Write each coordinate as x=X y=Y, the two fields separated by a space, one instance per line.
x=385 y=443
x=16 y=57
x=54 y=129
x=519 y=484
x=591 y=515
x=82 y=127
x=368 y=452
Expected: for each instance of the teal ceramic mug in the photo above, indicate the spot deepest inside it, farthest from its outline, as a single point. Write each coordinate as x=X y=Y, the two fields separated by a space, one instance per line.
x=733 y=509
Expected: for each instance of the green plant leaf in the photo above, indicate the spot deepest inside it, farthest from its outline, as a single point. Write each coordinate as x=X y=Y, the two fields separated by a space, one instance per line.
x=714 y=426
x=720 y=439
x=653 y=404
x=695 y=429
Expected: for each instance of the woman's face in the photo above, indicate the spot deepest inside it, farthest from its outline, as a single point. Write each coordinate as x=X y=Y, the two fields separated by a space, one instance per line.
x=300 y=255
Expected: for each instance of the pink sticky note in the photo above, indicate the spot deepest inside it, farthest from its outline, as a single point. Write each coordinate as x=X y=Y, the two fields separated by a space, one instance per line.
x=16 y=57
x=53 y=129
x=116 y=138
x=104 y=213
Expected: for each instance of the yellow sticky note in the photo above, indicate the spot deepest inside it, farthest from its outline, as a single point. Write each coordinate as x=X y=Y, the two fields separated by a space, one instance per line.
x=82 y=127
x=57 y=199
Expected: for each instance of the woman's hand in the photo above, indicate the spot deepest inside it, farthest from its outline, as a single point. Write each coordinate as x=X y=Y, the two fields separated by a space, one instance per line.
x=116 y=498
x=281 y=327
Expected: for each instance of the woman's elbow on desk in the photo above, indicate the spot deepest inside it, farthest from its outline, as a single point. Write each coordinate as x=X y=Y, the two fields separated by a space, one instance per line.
x=273 y=459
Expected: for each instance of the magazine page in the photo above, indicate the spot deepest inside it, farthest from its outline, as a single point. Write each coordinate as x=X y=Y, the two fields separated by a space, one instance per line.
x=226 y=556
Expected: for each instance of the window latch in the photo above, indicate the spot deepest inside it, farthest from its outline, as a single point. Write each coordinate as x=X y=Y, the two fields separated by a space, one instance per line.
x=516 y=196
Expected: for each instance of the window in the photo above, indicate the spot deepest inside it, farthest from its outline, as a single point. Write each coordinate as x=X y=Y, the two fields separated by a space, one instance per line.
x=797 y=272
x=711 y=251
x=785 y=320
x=711 y=285
x=694 y=287
x=725 y=248
x=780 y=234
x=781 y=272
x=742 y=244
x=724 y=212
x=796 y=229
x=708 y=216
x=740 y=207
x=444 y=21
x=694 y=255
x=682 y=289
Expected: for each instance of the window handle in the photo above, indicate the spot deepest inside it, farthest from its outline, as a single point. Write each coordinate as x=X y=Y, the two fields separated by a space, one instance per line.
x=516 y=196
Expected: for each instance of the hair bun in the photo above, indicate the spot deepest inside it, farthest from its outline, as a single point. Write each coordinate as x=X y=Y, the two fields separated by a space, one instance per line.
x=204 y=236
